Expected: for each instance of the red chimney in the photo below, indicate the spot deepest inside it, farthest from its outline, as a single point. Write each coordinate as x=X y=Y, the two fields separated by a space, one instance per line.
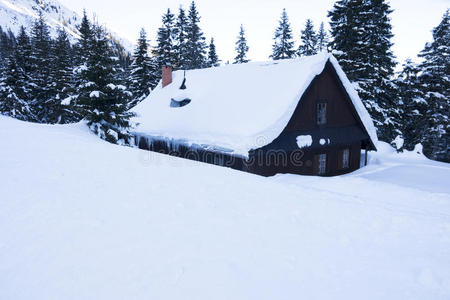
x=166 y=75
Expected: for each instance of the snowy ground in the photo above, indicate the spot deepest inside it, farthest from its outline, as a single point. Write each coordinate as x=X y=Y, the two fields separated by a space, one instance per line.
x=84 y=219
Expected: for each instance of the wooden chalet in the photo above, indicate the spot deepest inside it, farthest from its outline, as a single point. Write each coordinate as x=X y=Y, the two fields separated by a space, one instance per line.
x=299 y=116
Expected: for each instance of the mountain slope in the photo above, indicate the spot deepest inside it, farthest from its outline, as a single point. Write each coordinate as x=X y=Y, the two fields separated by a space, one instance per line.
x=15 y=13
x=84 y=219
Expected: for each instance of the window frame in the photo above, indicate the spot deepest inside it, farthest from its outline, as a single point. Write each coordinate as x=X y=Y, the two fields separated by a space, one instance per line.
x=325 y=115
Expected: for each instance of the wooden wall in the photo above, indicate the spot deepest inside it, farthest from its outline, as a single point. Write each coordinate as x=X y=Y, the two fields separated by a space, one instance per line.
x=340 y=114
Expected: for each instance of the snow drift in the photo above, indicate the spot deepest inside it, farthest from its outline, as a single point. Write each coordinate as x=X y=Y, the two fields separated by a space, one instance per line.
x=84 y=219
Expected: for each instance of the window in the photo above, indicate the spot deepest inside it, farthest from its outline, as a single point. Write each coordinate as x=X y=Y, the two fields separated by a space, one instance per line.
x=179 y=103
x=322 y=161
x=345 y=158
x=321 y=113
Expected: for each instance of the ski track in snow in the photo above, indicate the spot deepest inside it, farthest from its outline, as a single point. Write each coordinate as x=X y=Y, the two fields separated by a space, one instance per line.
x=84 y=219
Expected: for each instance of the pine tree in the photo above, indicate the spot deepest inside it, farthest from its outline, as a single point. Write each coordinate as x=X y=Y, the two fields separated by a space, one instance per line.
x=41 y=68
x=181 y=49
x=144 y=72
x=362 y=35
x=102 y=100
x=13 y=91
x=283 y=46
x=309 y=40
x=322 y=39
x=349 y=36
x=63 y=82
x=82 y=47
x=241 y=48
x=23 y=53
x=196 y=46
x=82 y=53
x=22 y=57
x=213 y=59
x=435 y=83
x=165 y=50
x=7 y=45
x=413 y=106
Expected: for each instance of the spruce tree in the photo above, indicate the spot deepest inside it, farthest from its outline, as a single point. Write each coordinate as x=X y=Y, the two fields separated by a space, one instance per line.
x=13 y=91
x=102 y=100
x=165 y=50
x=7 y=45
x=63 y=82
x=413 y=106
x=23 y=53
x=82 y=47
x=241 y=48
x=362 y=35
x=21 y=62
x=181 y=49
x=213 y=58
x=144 y=72
x=309 y=40
x=347 y=20
x=196 y=46
x=322 y=39
x=283 y=46
x=41 y=68
x=435 y=83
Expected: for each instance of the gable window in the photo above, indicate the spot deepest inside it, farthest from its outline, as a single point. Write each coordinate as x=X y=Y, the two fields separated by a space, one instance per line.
x=346 y=158
x=321 y=113
x=322 y=164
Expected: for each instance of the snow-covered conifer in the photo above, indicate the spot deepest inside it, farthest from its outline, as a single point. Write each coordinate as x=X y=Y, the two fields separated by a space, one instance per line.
x=322 y=38
x=181 y=50
x=309 y=40
x=102 y=100
x=283 y=46
x=196 y=46
x=362 y=34
x=241 y=48
x=213 y=58
x=41 y=76
x=13 y=91
x=435 y=84
x=413 y=106
x=165 y=49
x=144 y=72
x=63 y=82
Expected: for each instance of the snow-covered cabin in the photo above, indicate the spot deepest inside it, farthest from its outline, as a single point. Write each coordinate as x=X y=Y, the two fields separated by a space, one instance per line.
x=298 y=116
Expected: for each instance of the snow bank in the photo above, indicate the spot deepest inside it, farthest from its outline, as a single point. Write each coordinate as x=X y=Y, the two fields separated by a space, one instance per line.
x=84 y=219
x=236 y=106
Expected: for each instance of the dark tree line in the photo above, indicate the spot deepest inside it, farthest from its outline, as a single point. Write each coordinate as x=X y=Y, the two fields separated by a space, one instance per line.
x=408 y=108
x=49 y=80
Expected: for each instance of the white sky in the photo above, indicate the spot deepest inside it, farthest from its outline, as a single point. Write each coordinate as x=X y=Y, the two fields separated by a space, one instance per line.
x=412 y=20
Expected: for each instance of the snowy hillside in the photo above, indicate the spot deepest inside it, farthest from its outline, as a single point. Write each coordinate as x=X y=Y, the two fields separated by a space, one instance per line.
x=15 y=13
x=84 y=219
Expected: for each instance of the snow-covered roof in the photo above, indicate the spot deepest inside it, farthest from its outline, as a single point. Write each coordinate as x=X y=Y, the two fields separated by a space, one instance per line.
x=238 y=107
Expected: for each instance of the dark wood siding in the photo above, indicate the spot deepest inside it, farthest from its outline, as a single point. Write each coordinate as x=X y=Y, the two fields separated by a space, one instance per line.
x=341 y=115
x=339 y=110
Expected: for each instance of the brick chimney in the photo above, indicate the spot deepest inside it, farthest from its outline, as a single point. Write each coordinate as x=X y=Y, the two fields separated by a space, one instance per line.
x=166 y=75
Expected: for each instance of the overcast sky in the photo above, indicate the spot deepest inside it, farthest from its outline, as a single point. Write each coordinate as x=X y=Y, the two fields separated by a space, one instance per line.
x=412 y=20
